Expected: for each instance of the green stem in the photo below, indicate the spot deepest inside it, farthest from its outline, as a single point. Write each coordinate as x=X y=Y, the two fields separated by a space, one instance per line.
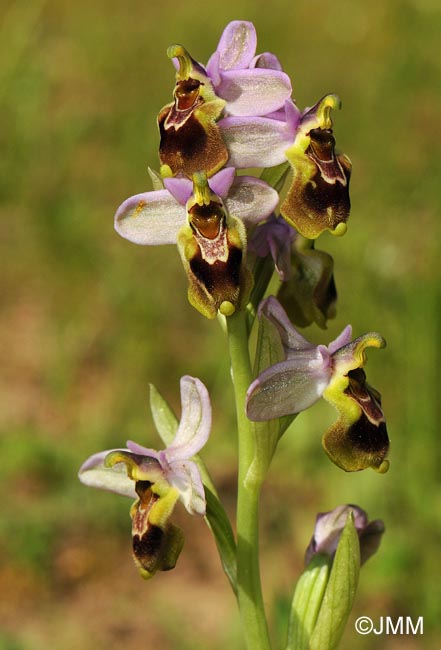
x=249 y=591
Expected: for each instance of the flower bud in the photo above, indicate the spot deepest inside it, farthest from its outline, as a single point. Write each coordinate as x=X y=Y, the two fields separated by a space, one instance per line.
x=329 y=527
x=342 y=540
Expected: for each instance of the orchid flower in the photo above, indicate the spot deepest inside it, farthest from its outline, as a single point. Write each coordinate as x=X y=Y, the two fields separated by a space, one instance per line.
x=359 y=438
x=318 y=197
x=214 y=233
x=234 y=82
x=329 y=527
x=158 y=479
x=213 y=251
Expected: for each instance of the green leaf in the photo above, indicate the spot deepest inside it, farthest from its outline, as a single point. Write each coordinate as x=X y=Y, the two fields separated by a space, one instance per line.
x=306 y=602
x=220 y=526
x=340 y=591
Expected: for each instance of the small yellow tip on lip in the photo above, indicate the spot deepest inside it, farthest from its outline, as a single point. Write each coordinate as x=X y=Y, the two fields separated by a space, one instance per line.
x=340 y=229
x=227 y=308
x=147 y=575
x=383 y=468
x=165 y=171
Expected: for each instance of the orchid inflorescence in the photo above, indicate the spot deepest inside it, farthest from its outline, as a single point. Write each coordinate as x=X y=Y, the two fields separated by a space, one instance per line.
x=233 y=230
x=231 y=115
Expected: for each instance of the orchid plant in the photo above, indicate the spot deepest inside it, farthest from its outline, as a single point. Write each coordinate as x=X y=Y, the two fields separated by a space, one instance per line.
x=251 y=262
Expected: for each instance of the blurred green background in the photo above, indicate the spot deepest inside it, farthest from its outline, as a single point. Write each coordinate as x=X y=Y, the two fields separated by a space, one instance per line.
x=88 y=319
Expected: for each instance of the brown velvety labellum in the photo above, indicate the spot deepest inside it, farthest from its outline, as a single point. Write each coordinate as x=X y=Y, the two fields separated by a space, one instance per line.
x=220 y=279
x=147 y=538
x=319 y=196
x=179 y=147
x=369 y=438
x=369 y=433
x=190 y=138
x=147 y=547
x=367 y=397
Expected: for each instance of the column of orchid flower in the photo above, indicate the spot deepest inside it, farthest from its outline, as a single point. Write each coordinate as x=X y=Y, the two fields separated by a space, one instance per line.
x=234 y=113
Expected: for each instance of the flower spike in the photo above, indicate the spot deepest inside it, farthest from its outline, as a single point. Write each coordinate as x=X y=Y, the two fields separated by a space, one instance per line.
x=158 y=479
x=359 y=438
